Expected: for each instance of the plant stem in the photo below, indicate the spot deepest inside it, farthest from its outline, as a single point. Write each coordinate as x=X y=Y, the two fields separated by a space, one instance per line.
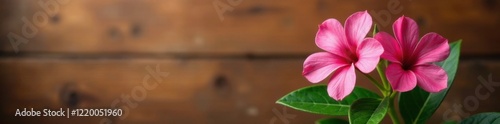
x=381 y=73
x=392 y=110
x=390 y=93
x=380 y=87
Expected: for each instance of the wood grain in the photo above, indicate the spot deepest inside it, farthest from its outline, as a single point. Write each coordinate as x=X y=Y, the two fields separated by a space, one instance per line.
x=92 y=54
x=253 y=27
x=204 y=91
x=195 y=90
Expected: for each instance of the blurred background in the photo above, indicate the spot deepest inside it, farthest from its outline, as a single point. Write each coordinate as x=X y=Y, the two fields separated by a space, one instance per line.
x=211 y=61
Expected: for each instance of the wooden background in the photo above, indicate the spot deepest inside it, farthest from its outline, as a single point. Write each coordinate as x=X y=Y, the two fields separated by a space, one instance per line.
x=91 y=54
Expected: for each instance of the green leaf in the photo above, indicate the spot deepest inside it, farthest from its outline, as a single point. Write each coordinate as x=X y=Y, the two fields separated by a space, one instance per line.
x=417 y=105
x=368 y=111
x=332 y=121
x=483 y=118
x=315 y=99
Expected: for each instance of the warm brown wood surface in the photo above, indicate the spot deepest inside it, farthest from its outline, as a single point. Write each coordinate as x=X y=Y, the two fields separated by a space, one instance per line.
x=253 y=27
x=92 y=52
x=195 y=91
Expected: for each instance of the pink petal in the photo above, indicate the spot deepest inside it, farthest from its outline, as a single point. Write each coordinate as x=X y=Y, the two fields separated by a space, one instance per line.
x=369 y=52
x=342 y=83
x=392 y=48
x=357 y=26
x=431 y=78
x=432 y=48
x=406 y=32
x=331 y=37
x=401 y=80
x=319 y=65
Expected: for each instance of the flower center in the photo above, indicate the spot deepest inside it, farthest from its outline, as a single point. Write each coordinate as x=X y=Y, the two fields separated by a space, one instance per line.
x=407 y=67
x=352 y=57
x=408 y=63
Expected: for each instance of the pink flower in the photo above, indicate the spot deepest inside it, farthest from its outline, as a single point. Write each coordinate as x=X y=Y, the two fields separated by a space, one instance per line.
x=412 y=59
x=345 y=49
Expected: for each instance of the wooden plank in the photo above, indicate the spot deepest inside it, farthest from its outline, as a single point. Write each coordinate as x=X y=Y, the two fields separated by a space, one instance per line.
x=195 y=90
x=254 y=26
x=205 y=91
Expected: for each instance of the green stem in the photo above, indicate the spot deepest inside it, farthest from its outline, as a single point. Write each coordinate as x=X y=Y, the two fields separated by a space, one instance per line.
x=390 y=93
x=380 y=70
x=380 y=87
x=392 y=110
